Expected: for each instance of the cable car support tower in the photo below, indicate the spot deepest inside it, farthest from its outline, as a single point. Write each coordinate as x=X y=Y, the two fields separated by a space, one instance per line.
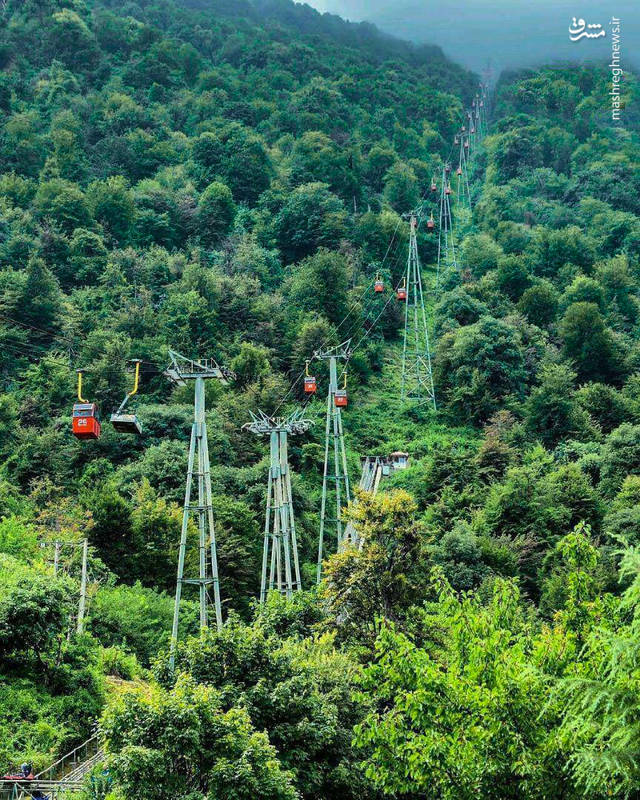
x=180 y=371
x=280 y=544
x=334 y=440
x=417 y=375
x=446 y=245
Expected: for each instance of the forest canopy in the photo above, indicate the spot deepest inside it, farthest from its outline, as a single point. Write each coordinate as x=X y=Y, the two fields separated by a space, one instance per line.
x=227 y=180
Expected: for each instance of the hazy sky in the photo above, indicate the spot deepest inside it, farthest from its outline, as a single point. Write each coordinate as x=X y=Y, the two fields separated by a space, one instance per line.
x=509 y=32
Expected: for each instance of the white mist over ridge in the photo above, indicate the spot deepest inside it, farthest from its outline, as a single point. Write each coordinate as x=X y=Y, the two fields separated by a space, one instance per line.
x=509 y=33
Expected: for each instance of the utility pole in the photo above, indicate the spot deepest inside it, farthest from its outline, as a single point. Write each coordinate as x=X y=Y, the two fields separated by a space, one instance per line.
x=280 y=546
x=83 y=586
x=417 y=376
x=180 y=371
x=334 y=440
x=56 y=556
x=58 y=545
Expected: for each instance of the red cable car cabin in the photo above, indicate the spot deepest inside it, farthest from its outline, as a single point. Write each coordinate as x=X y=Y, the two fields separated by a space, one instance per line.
x=86 y=421
x=310 y=385
x=340 y=398
x=401 y=294
x=431 y=223
x=378 y=286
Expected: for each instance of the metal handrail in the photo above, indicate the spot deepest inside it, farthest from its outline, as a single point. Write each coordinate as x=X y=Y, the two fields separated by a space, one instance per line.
x=70 y=755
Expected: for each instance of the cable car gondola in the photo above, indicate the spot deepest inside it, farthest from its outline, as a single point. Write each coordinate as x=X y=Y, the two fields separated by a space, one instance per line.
x=433 y=185
x=86 y=416
x=431 y=223
x=340 y=398
x=128 y=423
x=401 y=292
x=378 y=285
x=448 y=189
x=310 y=385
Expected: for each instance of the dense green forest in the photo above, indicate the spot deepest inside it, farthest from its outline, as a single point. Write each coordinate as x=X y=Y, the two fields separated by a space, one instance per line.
x=225 y=179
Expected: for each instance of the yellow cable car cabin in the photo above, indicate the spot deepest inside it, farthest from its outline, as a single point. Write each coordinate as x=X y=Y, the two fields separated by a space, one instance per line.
x=128 y=423
x=310 y=385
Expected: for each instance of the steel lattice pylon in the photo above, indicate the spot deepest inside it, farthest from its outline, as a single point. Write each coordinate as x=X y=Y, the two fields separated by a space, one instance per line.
x=333 y=440
x=446 y=245
x=181 y=370
x=417 y=375
x=280 y=543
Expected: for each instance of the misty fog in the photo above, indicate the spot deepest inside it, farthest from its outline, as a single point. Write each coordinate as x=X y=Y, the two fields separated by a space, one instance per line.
x=508 y=33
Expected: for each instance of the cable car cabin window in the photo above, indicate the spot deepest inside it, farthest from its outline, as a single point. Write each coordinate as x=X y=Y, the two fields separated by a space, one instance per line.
x=86 y=410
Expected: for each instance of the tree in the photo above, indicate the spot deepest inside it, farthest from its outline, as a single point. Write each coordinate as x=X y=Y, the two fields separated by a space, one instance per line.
x=384 y=576
x=597 y=698
x=551 y=409
x=301 y=693
x=178 y=743
x=620 y=457
x=72 y=41
x=589 y=343
x=478 y=367
x=235 y=155
x=463 y=716
x=112 y=205
x=250 y=365
x=320 y=284
x=311 y=217
x=513 y=276
x=539 y=303
x=64 y=203
x=216 y=212
x=40 y=300
x=401 y=187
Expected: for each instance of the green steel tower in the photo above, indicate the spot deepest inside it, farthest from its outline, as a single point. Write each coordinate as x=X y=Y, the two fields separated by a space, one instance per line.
x=417 y=376
x=180 y=371
x=280 y=563
x=335 y=457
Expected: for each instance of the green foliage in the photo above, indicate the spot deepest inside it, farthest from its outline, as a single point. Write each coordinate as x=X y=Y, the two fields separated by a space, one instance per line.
x=178 y=742
x=478 y=367
x=461 y=718
x=216 y=211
